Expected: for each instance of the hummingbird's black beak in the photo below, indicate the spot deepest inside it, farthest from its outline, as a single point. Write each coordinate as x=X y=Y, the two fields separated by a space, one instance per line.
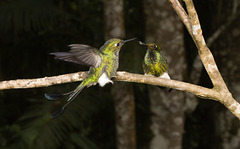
x=143 y=44
x=124 y=41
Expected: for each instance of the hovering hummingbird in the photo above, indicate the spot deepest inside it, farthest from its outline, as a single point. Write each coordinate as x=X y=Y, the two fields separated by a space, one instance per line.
x=103 y=62
x=155 y=63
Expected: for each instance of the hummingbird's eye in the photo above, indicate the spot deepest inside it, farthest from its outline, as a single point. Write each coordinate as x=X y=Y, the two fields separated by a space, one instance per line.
x=154 y=46
x=117 y=44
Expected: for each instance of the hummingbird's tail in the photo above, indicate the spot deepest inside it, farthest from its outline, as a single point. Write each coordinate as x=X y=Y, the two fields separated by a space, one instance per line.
x=56 y=96
x=70 y=98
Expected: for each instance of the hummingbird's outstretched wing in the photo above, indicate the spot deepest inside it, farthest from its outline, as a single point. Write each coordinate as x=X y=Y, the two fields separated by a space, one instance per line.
x=80 y=54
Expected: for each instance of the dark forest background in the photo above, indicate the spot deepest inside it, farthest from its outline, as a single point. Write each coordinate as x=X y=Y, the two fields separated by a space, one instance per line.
x=31 y=29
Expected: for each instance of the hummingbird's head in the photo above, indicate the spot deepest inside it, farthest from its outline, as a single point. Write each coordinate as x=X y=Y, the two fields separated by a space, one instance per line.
x=115 y=44
x=150 y=46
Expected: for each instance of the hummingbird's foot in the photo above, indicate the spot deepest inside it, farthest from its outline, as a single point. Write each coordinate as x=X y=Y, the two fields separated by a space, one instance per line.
x=112 y=82
x=114 y=76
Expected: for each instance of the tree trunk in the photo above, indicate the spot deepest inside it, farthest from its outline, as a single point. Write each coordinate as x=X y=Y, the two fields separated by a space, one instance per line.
x=122 y=92
x=125 y=115
x=114 y=19
x=165 y=28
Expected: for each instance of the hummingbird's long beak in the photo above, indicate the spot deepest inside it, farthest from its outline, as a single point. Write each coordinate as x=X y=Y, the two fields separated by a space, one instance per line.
x=124 y=41
x=142 y=43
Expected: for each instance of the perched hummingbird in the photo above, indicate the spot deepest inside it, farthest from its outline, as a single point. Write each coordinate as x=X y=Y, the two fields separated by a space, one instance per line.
x=103 y=62
x=155 y=63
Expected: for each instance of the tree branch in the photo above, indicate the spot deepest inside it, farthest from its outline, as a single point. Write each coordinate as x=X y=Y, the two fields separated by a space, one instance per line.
x=224 y=96
x=204 y=52
x=121 y=76
x=199 y=91
x=42 y=82
x=182 y=14
x=219 y=92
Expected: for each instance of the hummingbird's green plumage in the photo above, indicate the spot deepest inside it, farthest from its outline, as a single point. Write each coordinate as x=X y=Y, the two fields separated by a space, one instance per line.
x=154 y=61
x=103 y=62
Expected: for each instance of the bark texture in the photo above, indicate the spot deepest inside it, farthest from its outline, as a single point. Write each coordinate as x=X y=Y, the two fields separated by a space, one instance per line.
x=114 y=19
x=125 y=115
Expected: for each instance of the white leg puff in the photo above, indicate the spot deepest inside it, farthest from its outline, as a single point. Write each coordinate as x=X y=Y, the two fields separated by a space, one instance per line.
x=104 y=79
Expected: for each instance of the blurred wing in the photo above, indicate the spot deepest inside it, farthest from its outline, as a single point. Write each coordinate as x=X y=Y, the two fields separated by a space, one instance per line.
x=80 y=54
x=66 y=56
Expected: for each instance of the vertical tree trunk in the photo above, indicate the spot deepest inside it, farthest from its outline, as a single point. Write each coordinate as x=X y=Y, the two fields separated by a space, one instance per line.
x=114 y=19
x=122 y=92
x=125 y=115
x=164 y=27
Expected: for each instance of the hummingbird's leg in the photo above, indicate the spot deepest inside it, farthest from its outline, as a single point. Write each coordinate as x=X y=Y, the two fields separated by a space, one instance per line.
x=104 y=79
x=114 y=76
x=111 y=82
